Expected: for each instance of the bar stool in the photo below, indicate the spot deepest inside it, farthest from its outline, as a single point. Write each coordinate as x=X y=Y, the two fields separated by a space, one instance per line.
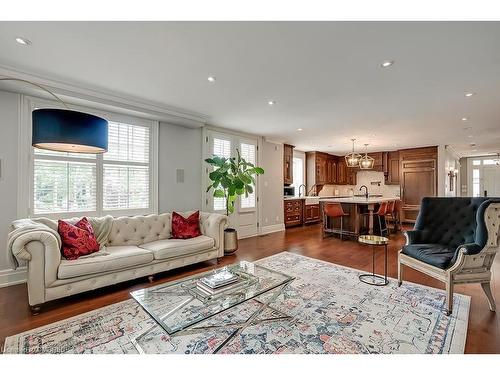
x=333 y=210
x=374 y=279
x=390 y=212
x=382 y=211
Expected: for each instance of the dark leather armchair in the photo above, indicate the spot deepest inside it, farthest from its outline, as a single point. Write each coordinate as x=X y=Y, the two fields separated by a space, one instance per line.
x=455 y=241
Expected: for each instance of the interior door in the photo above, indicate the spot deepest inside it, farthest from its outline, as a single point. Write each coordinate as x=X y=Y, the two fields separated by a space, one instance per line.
x=245 y=216
x=491 y=181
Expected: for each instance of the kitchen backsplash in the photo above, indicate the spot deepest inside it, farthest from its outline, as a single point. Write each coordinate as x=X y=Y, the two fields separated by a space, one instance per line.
x=373 y=180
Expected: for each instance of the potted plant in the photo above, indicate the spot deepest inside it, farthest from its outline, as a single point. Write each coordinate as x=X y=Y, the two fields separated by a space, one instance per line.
x=231 y=177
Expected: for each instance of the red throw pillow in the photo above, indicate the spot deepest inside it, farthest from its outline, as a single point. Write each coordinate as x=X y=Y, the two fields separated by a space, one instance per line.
x=183 y=228
x=78 y=239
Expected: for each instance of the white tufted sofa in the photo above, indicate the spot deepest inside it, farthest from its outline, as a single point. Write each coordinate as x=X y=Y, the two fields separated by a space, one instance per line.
x=135 y=247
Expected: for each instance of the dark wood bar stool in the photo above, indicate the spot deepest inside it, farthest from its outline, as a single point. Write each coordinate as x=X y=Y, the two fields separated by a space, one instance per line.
x=333 y=210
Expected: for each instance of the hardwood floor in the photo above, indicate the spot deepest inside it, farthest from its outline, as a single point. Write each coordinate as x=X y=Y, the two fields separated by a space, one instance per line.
x=483 y=330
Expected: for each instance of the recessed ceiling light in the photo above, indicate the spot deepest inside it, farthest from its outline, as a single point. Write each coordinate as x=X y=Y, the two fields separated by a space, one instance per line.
x=271 y=102
x=475 y=150
x=211 y=79
x=464 y=118
x=472 y=144
x=299 y=129
x=387 y=63
x=23 y=41
x=469 y=94
x=470 y=136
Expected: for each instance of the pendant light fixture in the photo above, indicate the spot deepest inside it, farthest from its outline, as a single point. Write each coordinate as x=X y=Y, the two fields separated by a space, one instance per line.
x=352 y=158
x=366 y=162
x=66 y=130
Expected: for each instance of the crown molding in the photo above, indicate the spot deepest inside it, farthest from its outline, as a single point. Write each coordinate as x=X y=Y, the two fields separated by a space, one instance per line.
x=80 y=94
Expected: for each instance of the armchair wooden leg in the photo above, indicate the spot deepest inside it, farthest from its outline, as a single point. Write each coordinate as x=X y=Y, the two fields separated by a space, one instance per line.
x=487 y=290
x=449 y=297
x=400 y=272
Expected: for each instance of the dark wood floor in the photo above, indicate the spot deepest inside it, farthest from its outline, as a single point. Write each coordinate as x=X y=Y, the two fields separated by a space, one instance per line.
x=483 y=330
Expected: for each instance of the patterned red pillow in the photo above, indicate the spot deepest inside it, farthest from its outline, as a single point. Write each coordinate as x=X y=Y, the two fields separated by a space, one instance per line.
x=183 y=228
x=78 y=239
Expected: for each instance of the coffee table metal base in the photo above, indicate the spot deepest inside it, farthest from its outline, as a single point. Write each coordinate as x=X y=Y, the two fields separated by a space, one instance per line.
x=253 y=319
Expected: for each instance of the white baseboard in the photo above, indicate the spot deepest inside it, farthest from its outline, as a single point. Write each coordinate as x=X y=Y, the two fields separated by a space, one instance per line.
x=271 y=229
x=12 y=277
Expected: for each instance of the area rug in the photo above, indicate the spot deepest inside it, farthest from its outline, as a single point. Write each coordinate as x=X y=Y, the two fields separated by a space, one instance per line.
x=333 y=312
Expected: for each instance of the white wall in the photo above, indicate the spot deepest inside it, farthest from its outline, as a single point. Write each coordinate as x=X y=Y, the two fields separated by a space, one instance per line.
x=9 y=122
x=271 y=195
x=179 y=148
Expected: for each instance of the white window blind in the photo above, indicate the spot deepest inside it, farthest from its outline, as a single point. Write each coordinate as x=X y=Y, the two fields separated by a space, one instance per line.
x=119 y=179
x=247 y=152
x=63 y=185
x=126 y=168
x=220 y=147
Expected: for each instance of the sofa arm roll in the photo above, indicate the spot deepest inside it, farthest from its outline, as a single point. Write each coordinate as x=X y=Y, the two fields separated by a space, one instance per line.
x=41 y=250
x=413 y=236
x=214 y=226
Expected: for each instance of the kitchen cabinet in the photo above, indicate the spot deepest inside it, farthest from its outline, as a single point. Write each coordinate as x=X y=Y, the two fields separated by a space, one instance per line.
x=311 y=213
x=378 y=163
x=332 y=169
x=288 y=164
x=418 y=179
x=342 y=172
x=293 y=212
x=318 y=170
x=391 y=168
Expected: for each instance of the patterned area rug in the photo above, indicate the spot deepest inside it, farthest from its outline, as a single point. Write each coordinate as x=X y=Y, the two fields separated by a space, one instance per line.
x=333 y=312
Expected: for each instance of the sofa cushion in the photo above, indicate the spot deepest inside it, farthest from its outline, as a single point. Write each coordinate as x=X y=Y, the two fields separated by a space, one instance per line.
x=164 y=249
x=434 y=254
x=185 y=227
x=118 y=257
x=78 y=239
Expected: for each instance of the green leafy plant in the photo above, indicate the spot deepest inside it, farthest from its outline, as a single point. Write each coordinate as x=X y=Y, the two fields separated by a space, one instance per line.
x=231 y=178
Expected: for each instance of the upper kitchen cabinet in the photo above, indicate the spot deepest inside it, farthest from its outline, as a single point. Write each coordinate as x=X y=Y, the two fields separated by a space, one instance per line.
x=378 y=164
x=321 y=169
x=288 y=164
x=391 y=167
x=418 y=179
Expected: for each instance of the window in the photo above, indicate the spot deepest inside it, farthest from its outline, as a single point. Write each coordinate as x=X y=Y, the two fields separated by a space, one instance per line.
x=225 y=145
x=298 y=174
x=248 y=153
x=118 y=182
x=475 y=183
x=126 y=168
x=221 y=147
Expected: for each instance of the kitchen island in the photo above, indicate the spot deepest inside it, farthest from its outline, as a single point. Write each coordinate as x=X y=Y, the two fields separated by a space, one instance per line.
x=358 y=208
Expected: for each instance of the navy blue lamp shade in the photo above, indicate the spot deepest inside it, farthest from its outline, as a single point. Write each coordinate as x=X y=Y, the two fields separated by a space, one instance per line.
x=69 y=131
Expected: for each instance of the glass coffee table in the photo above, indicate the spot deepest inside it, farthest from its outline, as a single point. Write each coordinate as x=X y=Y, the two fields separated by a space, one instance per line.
x=179 y=307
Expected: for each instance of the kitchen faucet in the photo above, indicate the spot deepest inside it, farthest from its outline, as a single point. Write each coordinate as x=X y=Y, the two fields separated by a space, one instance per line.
x=366 y=190
x=304 y=189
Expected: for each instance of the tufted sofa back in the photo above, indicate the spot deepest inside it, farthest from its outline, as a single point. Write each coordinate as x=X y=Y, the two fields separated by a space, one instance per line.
x=137 y=230
x=453 y=221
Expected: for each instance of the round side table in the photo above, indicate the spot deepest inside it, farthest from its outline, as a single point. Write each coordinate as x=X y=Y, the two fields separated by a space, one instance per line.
x=373 y=279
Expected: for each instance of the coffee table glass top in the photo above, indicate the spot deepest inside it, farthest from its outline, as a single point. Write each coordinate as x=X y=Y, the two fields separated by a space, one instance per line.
x=180 y=304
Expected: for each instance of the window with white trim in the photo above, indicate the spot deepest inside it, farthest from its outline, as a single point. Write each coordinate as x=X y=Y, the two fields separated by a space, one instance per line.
x=248 y=152
x=118 y=182
x=220 y=147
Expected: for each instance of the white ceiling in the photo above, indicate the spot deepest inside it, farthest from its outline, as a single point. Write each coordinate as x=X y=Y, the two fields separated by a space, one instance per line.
x=324 y=76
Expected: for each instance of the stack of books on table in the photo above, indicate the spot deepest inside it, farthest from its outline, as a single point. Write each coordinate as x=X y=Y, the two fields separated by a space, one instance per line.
x=218 y=282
